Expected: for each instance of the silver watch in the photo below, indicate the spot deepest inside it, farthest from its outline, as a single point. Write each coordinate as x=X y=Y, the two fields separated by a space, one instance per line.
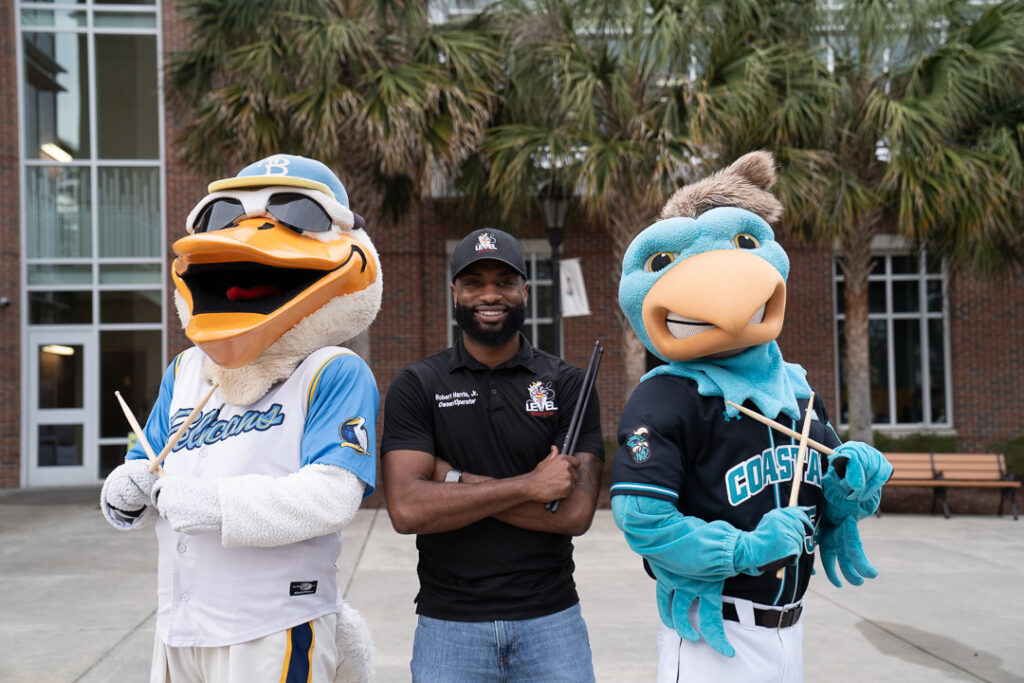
x=453 y=477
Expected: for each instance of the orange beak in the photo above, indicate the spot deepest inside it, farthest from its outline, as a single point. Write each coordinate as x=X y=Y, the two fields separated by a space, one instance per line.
x=693 y=312
x=247 y=285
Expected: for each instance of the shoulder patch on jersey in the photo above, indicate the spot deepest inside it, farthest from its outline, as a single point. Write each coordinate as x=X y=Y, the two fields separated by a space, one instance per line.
x=639 y=446
x=354 y=435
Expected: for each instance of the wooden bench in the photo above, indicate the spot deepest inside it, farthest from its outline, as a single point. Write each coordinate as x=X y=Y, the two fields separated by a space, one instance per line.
x=940 y=471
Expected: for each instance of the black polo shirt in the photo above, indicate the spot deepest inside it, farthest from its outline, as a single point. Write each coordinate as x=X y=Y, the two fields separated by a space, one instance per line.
x=500 y=423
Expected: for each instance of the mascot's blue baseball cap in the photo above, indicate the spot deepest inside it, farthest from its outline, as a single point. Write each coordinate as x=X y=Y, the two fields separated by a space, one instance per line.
x=286 y=169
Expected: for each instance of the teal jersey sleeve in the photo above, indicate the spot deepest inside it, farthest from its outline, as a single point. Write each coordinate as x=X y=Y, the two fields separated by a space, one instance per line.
x=341 y=418
x=157 y=427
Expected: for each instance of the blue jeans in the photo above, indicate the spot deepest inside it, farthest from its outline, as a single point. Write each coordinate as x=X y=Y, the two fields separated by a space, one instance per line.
x=552 y=648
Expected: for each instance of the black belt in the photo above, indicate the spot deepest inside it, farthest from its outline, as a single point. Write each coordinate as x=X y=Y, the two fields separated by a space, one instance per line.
x=769 y=618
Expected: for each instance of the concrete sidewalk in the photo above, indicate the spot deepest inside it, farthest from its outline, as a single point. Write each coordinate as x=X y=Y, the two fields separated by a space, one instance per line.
x=77 y=598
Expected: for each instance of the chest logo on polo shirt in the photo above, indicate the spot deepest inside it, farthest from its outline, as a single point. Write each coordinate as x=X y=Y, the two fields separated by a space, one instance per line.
x=541 y=402
x=354 y=435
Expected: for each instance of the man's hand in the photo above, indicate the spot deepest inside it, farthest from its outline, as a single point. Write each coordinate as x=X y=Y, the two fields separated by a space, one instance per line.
x=554 y=477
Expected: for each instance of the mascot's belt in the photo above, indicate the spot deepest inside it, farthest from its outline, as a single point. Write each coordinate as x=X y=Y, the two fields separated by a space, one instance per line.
x=769 y=618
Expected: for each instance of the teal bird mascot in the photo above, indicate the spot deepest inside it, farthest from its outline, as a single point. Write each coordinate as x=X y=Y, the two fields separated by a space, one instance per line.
x=700 y=490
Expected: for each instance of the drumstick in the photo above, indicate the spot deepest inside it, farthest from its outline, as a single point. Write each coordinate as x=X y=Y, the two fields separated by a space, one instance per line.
x=781 y=428
x=576 y=422
x=182 y=429
x=139 y=433
x=798 y=470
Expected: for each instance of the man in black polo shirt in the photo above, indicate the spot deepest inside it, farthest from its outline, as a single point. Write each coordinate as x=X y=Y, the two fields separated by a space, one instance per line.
x=469 y=462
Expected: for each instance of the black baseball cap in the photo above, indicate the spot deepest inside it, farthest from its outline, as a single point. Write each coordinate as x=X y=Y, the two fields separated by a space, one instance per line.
x=487 y=244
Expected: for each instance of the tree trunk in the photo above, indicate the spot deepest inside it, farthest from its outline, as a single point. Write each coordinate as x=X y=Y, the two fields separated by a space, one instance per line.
x=856 y=264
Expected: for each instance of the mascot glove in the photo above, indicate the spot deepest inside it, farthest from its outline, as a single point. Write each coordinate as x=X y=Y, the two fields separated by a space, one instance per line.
x=778 y=536
x=189 y=504
x=676 y=593
x=841 y=544
x=853 y=484
x=126 y=493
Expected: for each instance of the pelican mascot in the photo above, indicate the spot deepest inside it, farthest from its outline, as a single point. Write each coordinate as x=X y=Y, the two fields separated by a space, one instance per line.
x=276 y=272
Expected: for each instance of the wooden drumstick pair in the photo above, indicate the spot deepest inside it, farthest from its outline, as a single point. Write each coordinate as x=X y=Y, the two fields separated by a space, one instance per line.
x=801 y=451
x=156 y=460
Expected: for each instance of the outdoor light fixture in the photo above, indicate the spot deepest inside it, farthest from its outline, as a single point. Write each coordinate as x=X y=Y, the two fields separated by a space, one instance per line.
x=58 y=350
x=54 y=152
x=554 y=203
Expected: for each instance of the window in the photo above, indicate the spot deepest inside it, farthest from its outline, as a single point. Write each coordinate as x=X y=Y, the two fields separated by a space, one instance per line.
x=539 y=325
x=908 y=330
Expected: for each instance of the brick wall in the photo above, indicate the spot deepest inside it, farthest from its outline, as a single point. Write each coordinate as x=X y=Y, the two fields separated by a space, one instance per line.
x=184 y=186
x=10 y=270
x=987 y=348
x=808 y=336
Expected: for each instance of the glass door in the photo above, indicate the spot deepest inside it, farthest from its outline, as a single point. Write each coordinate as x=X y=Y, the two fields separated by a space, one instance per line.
x=61 y=417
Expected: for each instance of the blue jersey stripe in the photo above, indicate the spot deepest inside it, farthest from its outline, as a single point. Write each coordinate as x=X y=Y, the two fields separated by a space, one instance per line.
x=623 y=487
x=299 y=655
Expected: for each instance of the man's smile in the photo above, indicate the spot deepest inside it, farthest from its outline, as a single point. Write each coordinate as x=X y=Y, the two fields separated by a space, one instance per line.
x=490 y=315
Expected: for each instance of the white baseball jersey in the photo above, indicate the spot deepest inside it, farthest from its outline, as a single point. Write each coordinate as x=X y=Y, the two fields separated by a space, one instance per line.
x=324 y=413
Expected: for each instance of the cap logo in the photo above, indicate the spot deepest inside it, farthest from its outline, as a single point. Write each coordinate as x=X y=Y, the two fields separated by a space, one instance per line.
x=276 y=165
x=485 y=242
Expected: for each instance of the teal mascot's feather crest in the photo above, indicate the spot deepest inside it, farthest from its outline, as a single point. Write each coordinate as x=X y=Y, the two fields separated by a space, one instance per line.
x=704 y=289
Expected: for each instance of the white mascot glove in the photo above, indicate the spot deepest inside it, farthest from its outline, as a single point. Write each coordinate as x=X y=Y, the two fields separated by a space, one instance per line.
x=126 y=494
x=189 y=504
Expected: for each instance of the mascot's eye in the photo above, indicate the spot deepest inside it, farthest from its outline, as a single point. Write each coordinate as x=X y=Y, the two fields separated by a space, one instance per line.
x=745 y=241
x=659 y=261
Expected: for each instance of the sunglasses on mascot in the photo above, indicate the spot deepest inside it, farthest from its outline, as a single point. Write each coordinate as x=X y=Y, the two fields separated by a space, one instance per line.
x=296 y=211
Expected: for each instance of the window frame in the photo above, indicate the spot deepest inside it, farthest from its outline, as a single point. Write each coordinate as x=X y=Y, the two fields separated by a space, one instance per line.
x=885 y=248
x=92 y=27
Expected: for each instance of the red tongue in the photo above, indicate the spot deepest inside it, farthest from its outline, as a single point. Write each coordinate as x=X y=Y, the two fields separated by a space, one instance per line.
x=248 y=293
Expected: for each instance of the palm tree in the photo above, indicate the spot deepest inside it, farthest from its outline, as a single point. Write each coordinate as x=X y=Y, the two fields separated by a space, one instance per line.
x=370 y=87
x=601 y=97
x=903 y=117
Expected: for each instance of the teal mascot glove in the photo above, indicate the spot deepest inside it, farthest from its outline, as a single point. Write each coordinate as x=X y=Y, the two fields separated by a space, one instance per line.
x=676 y=593
x=778 y=536
x=841 y=544
x=853 y=483
x=692 y=558
x=853 y=489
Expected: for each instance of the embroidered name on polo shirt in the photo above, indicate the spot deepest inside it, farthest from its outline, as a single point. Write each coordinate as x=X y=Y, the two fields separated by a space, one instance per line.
x=456 y=398
x=541 y=402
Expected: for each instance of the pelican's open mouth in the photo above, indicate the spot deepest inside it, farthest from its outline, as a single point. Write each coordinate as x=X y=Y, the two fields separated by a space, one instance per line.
x=245 y=287
x=681 y=327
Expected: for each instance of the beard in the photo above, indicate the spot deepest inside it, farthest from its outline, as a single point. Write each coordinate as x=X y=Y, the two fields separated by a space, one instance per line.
x=495 y=337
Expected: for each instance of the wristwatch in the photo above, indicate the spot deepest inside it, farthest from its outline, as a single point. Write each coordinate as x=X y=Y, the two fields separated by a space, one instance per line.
x=453 y=477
